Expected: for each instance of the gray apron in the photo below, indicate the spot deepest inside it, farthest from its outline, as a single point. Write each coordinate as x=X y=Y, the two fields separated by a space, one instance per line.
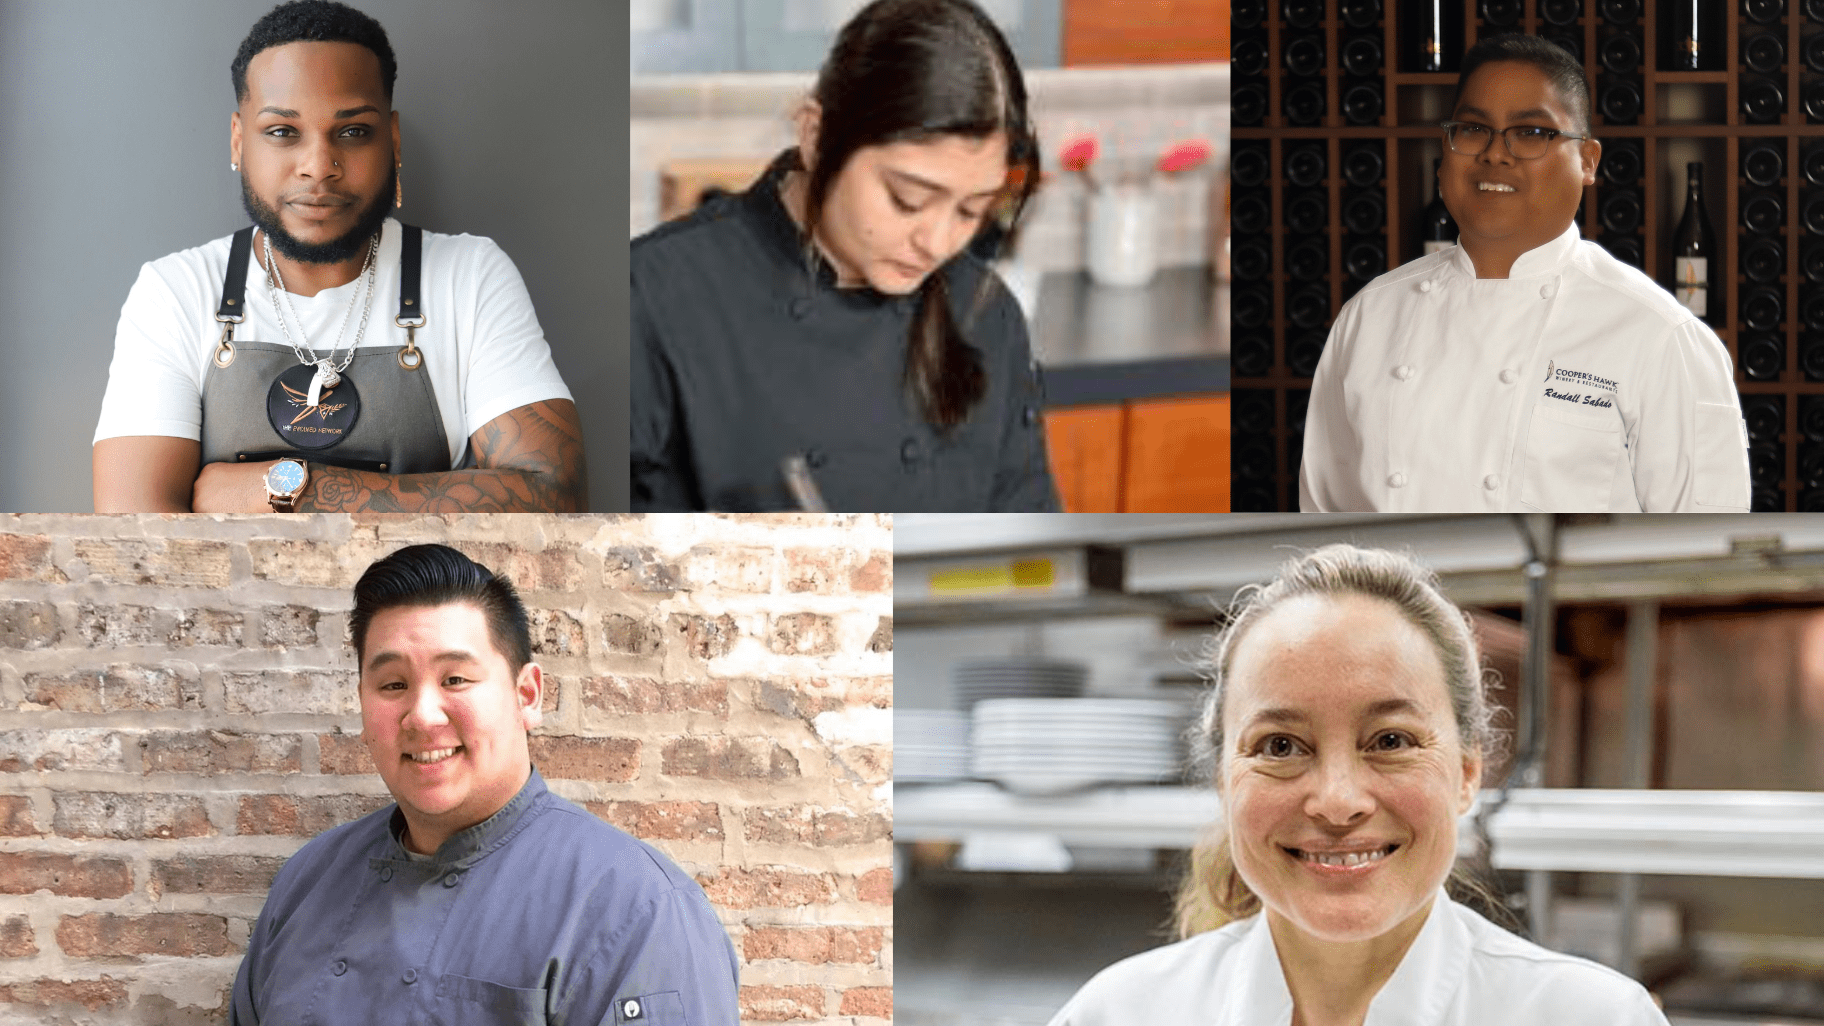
x=398 y=428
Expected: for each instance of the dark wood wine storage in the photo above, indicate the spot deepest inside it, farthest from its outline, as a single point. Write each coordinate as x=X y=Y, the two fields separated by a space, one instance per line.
x=1298 y=255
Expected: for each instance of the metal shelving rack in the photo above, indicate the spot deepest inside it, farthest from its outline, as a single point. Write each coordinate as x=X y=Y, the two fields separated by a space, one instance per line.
x=1269 y=393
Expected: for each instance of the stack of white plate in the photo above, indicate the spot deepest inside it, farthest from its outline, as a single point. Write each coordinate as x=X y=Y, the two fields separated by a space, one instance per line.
x=930 y=745
x=1047 y=746
x=983 y=680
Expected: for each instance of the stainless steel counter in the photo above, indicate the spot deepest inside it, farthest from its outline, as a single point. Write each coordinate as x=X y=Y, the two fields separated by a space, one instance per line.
x=1099 y=344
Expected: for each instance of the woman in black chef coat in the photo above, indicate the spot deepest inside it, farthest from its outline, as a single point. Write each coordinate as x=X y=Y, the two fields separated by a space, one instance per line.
x=830 y=316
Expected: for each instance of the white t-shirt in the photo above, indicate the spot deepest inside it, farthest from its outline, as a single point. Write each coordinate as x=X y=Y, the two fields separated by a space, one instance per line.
x=1461 y=970
x=1574 y=385
x=481 y=341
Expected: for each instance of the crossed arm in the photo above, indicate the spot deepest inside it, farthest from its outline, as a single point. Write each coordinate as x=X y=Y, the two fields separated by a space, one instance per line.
x=528 y=460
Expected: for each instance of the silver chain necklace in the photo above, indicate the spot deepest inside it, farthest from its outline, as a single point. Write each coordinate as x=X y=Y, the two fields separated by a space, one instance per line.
x=328 y=372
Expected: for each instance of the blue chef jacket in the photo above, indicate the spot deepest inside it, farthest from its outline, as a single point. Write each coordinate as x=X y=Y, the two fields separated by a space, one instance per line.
x=540 y=914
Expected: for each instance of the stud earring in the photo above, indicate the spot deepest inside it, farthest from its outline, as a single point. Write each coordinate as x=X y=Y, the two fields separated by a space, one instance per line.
x=232 y=166
x=398 y=189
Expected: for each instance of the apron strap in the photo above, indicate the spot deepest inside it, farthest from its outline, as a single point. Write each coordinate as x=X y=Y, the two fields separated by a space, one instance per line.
x=411 y=250
x=234 y=286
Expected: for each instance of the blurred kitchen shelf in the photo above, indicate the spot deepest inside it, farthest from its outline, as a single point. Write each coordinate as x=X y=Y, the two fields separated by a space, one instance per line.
x=1689 y=833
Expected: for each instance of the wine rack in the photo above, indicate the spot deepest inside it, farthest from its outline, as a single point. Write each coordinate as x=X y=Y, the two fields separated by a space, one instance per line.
x=1334 y=137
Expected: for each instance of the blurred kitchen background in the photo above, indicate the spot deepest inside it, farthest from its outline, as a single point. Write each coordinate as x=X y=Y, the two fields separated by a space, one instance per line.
x=1674 y=709
x=1136 y=375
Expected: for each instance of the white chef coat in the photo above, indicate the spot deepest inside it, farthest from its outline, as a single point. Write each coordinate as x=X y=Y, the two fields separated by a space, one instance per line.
x=1461 y=970
x=1575 y=384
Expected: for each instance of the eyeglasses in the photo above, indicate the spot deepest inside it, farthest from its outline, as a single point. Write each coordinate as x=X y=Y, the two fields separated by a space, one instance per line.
x=1525 y=142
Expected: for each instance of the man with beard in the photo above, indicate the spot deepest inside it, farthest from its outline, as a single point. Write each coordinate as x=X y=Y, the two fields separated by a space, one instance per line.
x=329 y=358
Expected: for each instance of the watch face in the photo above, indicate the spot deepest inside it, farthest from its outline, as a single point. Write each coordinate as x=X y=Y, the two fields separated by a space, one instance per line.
x=285 y=477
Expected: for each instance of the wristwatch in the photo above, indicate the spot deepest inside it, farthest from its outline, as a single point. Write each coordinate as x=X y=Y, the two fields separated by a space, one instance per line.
x=285 y=481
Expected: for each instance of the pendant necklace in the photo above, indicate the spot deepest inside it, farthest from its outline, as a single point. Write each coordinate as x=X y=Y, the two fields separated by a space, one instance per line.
x=328 y=372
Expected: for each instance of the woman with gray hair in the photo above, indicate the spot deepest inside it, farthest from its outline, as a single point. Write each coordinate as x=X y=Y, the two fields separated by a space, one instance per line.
x=1346 y=731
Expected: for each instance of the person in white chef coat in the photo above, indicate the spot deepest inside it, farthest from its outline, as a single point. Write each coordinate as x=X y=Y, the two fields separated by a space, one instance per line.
x=1346 y=730
x=1524 y=368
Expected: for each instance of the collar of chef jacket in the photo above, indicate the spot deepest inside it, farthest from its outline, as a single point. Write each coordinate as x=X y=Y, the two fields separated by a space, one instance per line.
x=1540 y=262
x=1417 y=994
x=465 y=847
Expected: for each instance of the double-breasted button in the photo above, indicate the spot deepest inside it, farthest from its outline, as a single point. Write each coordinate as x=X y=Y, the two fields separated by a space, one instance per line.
x=452 y=879
x=1425 y=286
x=1396 y=480
x=1545 y=292
x=801 y=307
x=1403 y=372
x=386 y=873
x=1508 y=375
x=339 y=968
x=411 y=976
x=1492 y=482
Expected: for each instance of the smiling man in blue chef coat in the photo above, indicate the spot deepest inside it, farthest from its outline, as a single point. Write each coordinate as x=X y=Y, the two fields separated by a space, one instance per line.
x=480 y=897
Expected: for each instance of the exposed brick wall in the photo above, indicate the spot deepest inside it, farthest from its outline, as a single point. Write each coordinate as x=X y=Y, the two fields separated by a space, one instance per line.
x=178 y=714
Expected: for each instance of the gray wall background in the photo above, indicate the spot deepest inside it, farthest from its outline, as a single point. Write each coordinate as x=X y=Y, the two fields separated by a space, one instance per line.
x=114 y=151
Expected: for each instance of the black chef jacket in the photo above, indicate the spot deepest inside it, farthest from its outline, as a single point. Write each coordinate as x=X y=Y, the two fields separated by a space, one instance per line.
x=741 y=359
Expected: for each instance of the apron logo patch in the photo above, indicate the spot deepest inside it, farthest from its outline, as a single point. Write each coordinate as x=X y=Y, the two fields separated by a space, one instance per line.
x=311 y=427
x=632 y=1010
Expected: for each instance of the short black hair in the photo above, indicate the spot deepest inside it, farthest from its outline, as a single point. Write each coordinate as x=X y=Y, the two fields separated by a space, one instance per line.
x=316 y=21
x=1560 y=68
x=437 y=575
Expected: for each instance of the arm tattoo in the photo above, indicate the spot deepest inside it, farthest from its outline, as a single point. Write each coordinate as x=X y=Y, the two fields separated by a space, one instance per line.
x=528 y=460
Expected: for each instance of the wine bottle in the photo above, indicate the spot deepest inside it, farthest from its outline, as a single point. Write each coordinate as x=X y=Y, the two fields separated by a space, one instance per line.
x=1250 y=259
x=1248 y=104
x=1814 y=101
x=1361 y=14
x=1251 y=356
x=1764 y=163
x=1811 y=357
x=1305 y=56
x=1625 y=248
x=1811 y=309
x=1303 y=14
x=1763 y=356
x=1432 y=34
x=1814 y=52
x=1309 y=259
x=1685 y=36
x=1762 y=212
x=1763 y=101
x=1562 y=12
x=1304 y=104
x=1309 y=307
x=1365 y=213
x=1251 y=306
x=1620 y=101
x=1250 y=57
x=1811 y=262
x=1365 y=259
x=1763 y=261
x=1812 y=159
x=1763 y=309
x=1500 y=13
x=1619 y=12
x=1247 y=14
x=1621 y=162
x=1307 y=214
x=1436 y=226
x=1303 y=351
x=1619 y=53
x=1305 y=165
x=1813 y=214
x=1694 y=249
x=1362 y=56
x=1765 y=416
x=1250 y=214
x=1764 y=12
x=1249 y=166
x=1363 y=166
x=1763 y=52
x=1362 y=104
x=1252 y=414
x=1814 y=10
x=1620 y=212
x=1568 y=42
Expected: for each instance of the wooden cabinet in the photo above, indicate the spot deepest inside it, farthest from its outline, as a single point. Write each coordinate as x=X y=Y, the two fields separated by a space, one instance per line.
x=1145 y=31
x=1168 y=455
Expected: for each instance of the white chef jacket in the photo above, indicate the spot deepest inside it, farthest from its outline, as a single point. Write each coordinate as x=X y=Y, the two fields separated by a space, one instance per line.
x=1575 y=384
x=1461 y=970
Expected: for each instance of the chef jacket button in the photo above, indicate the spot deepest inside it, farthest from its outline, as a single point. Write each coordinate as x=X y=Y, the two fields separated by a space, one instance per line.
x=1396 y=480
x=411 y=976
x=339 y=968
x=386 y=873
x=801 y=307
x=909 y=450
x=815 y=458
x=1508 y=375
x=1403 y=371
x=451 y=880
x=1545 y=292
x=1425 y=286
x=1492 y=482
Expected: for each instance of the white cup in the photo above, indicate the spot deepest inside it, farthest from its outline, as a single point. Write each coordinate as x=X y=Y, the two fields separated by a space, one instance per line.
x=1123 y=226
